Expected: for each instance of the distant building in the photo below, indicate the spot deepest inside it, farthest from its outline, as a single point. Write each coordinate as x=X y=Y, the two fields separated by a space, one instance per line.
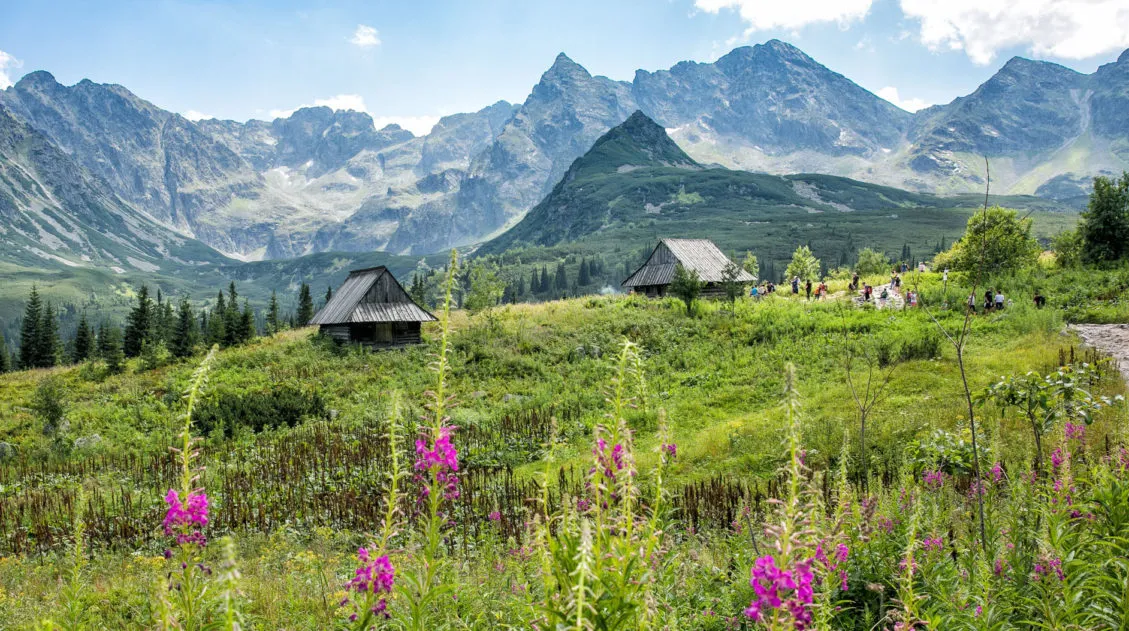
x=372 y=309
x=697 y=255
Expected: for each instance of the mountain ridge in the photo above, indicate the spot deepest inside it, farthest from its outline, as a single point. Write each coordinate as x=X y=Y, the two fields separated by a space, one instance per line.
x=326 y=180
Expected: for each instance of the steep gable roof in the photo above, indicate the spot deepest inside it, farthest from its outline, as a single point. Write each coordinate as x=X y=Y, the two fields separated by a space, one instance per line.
x=349 y=305
x=698 y=255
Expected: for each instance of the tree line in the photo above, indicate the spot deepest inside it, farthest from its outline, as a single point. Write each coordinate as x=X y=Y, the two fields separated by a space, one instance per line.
x=155 y=330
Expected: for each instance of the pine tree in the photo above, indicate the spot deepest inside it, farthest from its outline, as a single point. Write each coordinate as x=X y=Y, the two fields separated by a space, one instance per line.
x=5 y=363
x=83 y=341
x=562 y=277
x=233 y=319
x=185 y=334
x=139 y=326
x=49 y=347
x=584 y=276
x=110 y=347
x=534 y=283
x=246 y=323
x=418 y=290
x=274 y=325
x=29 y=330
x=217 y=326
x=520 y=291
x=328 y=294
x=305 y=305
x=545 y=285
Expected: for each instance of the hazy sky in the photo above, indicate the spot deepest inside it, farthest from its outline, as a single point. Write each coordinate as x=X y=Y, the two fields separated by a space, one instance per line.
x=413 y=61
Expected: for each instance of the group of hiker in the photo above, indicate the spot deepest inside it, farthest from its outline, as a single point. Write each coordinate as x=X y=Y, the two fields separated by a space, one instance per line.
x=994 y=299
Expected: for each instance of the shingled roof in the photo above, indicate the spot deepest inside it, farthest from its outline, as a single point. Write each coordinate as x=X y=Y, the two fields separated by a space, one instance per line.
x=390 y=303
x=698 y=255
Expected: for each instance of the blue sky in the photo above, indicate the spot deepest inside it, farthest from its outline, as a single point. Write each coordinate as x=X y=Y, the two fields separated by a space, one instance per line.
x=414 y=61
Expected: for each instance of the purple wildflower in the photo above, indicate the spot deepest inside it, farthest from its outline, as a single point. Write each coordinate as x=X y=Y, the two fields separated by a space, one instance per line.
x=185 y=519
x=997 y=472
x=495 y=516
x=441 y=457
x=1057 y=458
x=934 y=480
x=789 y=591
x=1075 y=432
x=934 y=544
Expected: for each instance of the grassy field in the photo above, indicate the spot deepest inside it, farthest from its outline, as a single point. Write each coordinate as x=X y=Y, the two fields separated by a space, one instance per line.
x=300 y=498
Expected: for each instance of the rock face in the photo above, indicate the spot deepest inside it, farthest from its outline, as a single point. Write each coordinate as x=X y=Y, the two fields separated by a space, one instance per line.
x=55 y=213
x=323 y=180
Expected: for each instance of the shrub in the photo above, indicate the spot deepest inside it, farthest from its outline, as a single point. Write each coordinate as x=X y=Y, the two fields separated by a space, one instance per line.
x=285 y=406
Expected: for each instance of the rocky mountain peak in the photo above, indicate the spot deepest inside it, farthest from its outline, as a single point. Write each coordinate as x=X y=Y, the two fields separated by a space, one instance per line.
x=565 y=69
x=37 y=80
x=636 y=142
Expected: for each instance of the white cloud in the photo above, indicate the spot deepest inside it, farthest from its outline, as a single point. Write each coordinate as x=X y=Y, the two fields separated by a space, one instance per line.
x=762 y=15
x=1067 y=29
x=890 y=93
x=7 y=63
x=194 y=115
x=365 y=36
x=418 y=125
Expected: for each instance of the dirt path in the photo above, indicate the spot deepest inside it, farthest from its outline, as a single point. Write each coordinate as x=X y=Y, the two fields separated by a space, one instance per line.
x=1109 y=338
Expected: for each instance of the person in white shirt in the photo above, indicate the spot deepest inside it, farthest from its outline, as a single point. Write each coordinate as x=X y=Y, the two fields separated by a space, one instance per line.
x=999 y=300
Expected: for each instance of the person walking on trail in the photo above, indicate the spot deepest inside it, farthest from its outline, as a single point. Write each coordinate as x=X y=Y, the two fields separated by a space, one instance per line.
x=855 y=282
x=911 y=298
x=822 y=290
x=1000 y=300
x=867 y=291
x=972 y=302
x=1040 y=300
x=807 y=288
x=795 y=285
x=884 y=297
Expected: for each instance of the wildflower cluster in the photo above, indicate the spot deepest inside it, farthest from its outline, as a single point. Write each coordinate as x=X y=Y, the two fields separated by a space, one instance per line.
x=778 y=588
x=374 y=579
x=186 y=519
x=441 y=457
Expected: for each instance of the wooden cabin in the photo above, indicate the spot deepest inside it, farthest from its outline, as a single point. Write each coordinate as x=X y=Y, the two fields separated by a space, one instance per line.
x=372 y=309
x=697 y=255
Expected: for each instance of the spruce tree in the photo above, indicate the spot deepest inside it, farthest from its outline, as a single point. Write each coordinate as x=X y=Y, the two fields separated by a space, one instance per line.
x=534 y=283
x=29 y=330
x=305 y=305
x=584 y=276
x=83 y=341
x=246 y=323
x=520 y=287
x=5 y=363
x=48 y=346
x=110 y=346
x=233 y=319
x=546 y=285
x=328 y=294
x=139 y=326
x=185 y=334
x=274 y=325
x=216 y=321
x=562 y=277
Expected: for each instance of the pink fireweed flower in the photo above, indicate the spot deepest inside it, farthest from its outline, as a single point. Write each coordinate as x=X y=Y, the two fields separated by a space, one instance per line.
x=934 y=480
x=1057 y=458
x=933 y=544
x=789 y=591
x=997 y=472
x=185 y=519
x=375 y=576
x=495 y=516
x=1046 y=566
x=832 y=563
x=670 y=450
x=1075 y=432
x=441 y=457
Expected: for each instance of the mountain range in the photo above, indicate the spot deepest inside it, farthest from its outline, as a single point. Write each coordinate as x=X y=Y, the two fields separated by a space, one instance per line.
x=92 y=159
